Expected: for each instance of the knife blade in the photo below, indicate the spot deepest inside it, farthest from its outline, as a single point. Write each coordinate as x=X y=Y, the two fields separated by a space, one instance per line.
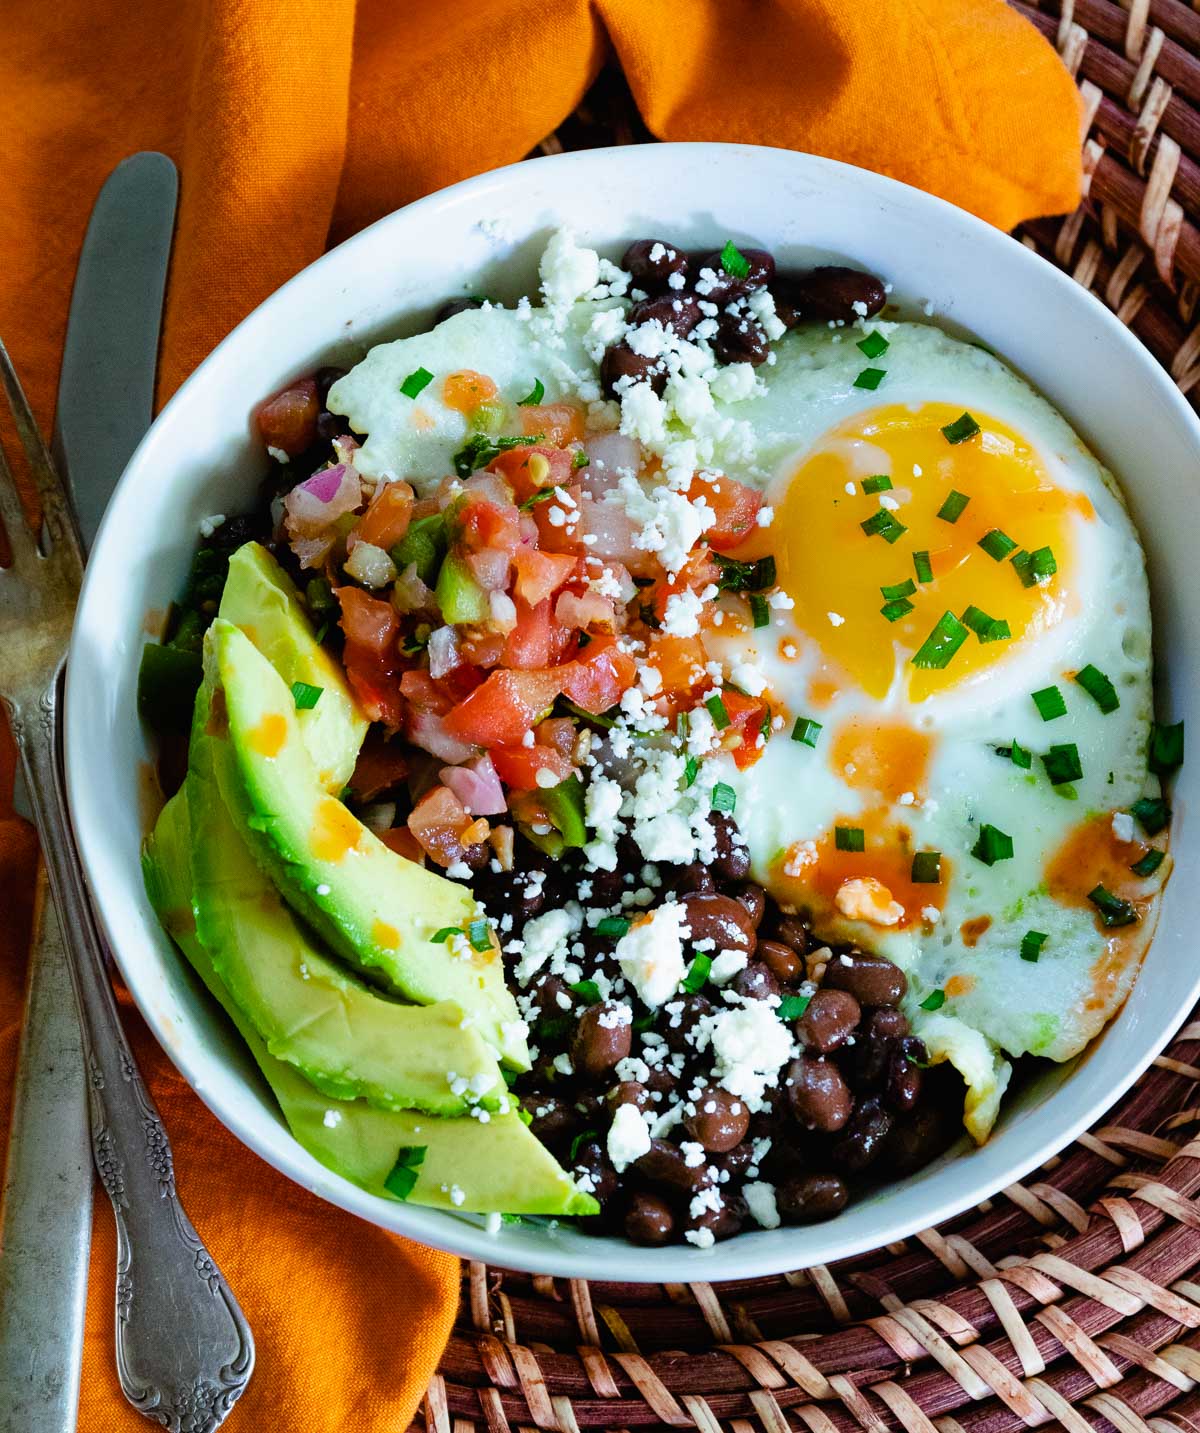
x=105 y=404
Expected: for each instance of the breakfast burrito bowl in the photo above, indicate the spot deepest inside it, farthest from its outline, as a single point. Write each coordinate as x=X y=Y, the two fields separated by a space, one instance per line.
x=700 y=853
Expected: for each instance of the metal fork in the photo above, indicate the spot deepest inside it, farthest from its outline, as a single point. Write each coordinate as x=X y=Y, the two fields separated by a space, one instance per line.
x=184 y=1349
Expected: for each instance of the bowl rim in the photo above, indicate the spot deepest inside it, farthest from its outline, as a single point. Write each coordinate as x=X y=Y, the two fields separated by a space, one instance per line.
x=441 y=1229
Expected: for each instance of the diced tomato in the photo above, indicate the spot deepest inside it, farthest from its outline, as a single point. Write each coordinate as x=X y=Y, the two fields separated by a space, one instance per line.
x=538 y=640
x=599 y=674
x=401 y=840
x=557 y=423
x=439 y=695
x=697 y=573
x=386 y=519
x=568 y=537
x=467 y=390
x=502 y=710
x=381 y=765
x=735 y=505
x=679 y=662
x=372 y=656
x=518 y=766
x=438 y=822
x=288 y=421
x=558 y=732
x=540 y=574
x=483 y=524
x=483 y=649
x=531 y=468
x=746 y=716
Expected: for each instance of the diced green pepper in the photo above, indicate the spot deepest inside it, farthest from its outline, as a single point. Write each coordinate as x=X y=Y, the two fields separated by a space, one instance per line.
x=563 y=805
x=425 y=544
x=460 y=598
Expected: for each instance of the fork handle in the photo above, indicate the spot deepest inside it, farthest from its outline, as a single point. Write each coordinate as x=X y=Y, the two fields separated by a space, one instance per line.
x=184 y=1349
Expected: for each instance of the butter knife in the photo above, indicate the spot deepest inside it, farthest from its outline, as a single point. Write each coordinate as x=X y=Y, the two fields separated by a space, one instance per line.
x=105 y=404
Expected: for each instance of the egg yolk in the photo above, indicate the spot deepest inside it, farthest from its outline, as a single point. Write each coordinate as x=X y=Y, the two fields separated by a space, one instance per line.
x=835 y=572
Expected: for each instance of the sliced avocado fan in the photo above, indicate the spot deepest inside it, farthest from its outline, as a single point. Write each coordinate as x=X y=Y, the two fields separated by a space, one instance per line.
x=371 y=906
x=459 y=1163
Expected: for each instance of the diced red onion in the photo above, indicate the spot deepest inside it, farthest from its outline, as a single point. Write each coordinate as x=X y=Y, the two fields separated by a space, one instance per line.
x=608 y=453
x=315 y=504
x=477 y=786
x=490 y=486
x=490 y=568
x=590 y=610
x=444 y=655
x=428 y=731
x=410 y=594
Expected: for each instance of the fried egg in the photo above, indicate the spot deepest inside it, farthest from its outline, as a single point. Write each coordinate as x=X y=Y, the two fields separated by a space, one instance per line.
x=899 y=729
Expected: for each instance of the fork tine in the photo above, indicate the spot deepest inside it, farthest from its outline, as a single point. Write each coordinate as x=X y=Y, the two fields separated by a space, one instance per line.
x=21 y=538
x=58 y=516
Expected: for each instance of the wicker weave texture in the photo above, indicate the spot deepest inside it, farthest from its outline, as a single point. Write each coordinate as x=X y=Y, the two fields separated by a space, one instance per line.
x=1070 y=1300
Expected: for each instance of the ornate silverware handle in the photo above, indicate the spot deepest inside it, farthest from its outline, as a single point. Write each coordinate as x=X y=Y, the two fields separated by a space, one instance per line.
x=184 y=1349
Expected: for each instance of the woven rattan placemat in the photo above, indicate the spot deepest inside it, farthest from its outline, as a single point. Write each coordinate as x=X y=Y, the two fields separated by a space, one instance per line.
x=1067 y=1300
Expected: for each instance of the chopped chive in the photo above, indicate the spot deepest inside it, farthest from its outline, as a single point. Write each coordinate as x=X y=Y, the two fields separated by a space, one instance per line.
x=697 y=973
x=613 y=927
x=899 y=589
x=416 y=382
x=883 y=524
x=946 y=638
x=1035 y=567
x=1166 y=747
x=1152 y=814
x=536 y=394
x=716 y=710
x=305 y=697
x=403 y=1178
x=961 y=429
x=954 y=506
x=927 y=867
x=1113 y=910
x=580 y=459
x=987 y=629
x=440 y=937
x=997 y=544
x=993 y=845
x=691 y=768
x=480 y=936
x=893 y=611
x=543 y=495
x=760 y=613
x=576 y=1145
x=873 y=346
x=587 y=990
x=880 y=483
x=923 y=567
x=1020 y=757
x=1149 y=863
x=1099 y=688
x=1031 y=944
x=724 y=798
x=849 y=838
x=870 y=378
x=806 y=731
x=791 y=1007
x=733 y=261
x=934 y=1000
x=764 y=726
x=1050 y=703
x=745 y=576
x=1062 y=763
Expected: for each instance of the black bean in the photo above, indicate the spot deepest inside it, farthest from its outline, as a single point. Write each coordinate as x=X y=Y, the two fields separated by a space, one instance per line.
x=721 y=919
x=649 y=1220
x=331 y=426
x=805 y=1197
x=694 y=877
x=665 y=1163
x=871 y=979
x=793 y=931
x=553 y=1119
x=325 y=378
x=754 y=898
x=739 y=340
x=593 y=1160
x=831 y=1017
x=651 y=262
x=723 y=1222
x=819 y=1096
x=735 y=1162
x=455 y=306
x=902 y=1088
x=783 y=961
x=628 y=1092
x=885 y=1022
x=620 y=362
x=756 y=982
x=679 y=312
x=682 y=1017
x=828 y=294
x=863 y=1138
x=732 y=859
x=719 y=287
x=547 y=993
x=603 y=1037
x=720 y=1122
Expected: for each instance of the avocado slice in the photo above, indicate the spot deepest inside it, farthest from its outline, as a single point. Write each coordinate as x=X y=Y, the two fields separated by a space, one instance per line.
x=371 y=906
x=346 y=1038
x=497 y=1166
x=262 y=600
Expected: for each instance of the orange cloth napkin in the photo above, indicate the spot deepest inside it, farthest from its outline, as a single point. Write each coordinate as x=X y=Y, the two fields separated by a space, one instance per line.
x=294 y=125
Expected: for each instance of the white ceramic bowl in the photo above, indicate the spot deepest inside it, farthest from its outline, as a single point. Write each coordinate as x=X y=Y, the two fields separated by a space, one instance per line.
x=199 y=458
